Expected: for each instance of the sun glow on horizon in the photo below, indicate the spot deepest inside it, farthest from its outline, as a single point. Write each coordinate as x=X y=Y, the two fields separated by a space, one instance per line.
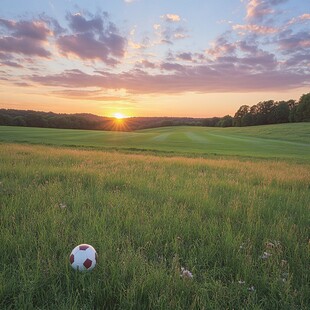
x=119 y=115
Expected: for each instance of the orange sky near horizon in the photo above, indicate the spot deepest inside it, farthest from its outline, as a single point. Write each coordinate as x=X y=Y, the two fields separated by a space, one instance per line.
x=179 y=105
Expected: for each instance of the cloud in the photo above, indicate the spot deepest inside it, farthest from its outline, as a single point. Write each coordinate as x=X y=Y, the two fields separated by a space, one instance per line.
x=226 y=74
x=294 y=42
x=95 y=95
x=170 y=34
x=258 y=9
x=36 y=30
x=24 y=37
x=95 y=38
x=147 y=64
x=171 y=30
x=79 y=23
x=185 y=56
x=11 y=64
x=172 y=67
x=263 y=30
x=23 y=46
x=299 y=19
x=171 y=18
x=220 y=47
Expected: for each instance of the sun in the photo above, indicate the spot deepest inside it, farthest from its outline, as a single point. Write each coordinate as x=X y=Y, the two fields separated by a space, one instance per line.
x=119 y=115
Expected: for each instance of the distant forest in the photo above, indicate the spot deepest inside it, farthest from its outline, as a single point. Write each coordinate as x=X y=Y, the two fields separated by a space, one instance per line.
x=263 y=113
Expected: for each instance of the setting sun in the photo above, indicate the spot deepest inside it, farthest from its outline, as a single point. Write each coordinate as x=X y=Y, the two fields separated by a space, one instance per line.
x=119 y=115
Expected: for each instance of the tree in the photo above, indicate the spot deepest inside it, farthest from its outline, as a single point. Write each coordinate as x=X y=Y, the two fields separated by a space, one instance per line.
x=243 y=110
x=225 y=121
x=282 y=112
x=265 y=111
x=303 y=109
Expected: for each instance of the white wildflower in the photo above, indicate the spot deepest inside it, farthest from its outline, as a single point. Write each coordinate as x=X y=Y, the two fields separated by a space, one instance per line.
x=186 y=273
x=241 y=282
x=62 y=206
x=251 y=288
x=266 y=255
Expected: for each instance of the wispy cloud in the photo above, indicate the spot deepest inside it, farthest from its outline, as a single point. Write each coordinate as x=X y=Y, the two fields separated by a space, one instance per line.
x=255 y=29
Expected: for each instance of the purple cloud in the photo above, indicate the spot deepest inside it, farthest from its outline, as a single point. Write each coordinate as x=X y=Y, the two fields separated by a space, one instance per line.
x=24 y=37
x=11 y=64
x=147 y=64
x=292 y=42
x=35 y=30
x=171 y=66
x=185 y=56
x=79 y=23
x=84 y=46
x=92 y=40
x=23 y=46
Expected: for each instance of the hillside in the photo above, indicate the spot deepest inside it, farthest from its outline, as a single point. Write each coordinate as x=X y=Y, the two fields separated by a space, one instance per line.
x=275 y=141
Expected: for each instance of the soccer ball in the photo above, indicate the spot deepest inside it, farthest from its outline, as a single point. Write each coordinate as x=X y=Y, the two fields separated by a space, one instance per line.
x=83 y=257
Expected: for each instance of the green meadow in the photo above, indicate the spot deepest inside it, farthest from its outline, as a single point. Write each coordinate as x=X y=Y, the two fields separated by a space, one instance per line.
x=272 y=141
x=229 y=205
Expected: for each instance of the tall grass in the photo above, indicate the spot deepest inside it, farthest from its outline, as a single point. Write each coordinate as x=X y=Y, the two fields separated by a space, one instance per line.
x=147 y=217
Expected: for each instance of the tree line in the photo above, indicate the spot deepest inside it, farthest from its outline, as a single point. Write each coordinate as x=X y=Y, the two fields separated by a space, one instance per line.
x=272 y=112
x=263 y=113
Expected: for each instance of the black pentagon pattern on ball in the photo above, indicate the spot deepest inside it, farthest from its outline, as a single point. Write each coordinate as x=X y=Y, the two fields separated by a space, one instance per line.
x=87 y=263
x=71 y=258
x=83 y=247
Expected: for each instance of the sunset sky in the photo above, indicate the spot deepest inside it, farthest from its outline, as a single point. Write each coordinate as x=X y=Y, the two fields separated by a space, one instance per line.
x=198 y=58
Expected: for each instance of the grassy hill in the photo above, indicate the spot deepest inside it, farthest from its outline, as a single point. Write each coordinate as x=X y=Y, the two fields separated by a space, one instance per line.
x=275 y=141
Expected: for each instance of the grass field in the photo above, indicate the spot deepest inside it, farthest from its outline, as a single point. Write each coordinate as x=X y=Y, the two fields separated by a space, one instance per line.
x=148 y=216
x=273 y=141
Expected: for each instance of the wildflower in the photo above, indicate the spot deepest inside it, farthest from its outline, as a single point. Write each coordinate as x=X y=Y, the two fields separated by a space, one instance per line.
x=241 y=282
x=62 y=206
x=266 y=255
x=251 y=288
x=186 y=273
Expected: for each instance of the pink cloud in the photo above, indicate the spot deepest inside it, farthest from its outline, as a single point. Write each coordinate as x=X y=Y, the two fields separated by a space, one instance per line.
x=255 y=29
x=171 y=18
x=233 y=76
x=258 y=9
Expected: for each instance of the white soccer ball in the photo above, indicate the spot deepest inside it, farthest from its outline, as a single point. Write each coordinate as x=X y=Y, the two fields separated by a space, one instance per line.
x=83 y=257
